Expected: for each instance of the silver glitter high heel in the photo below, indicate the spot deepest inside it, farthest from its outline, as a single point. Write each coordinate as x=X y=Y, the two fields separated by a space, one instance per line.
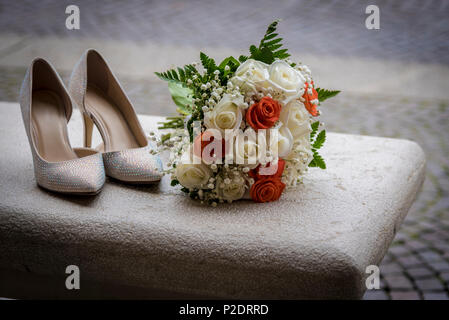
x=126 y=151
x=46 y=109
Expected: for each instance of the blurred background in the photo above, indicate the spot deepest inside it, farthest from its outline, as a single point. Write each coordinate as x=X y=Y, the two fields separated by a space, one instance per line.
x=394 y=81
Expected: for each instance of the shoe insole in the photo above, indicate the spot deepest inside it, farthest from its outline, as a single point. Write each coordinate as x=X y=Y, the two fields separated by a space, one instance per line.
x=118 y=135
x=49 y=127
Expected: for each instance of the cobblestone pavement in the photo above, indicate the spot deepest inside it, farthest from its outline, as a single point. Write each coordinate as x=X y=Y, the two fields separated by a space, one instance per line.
x=417 y=264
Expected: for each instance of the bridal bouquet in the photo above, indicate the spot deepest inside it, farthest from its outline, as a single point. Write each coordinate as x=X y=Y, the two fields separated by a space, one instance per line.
x=246 y=127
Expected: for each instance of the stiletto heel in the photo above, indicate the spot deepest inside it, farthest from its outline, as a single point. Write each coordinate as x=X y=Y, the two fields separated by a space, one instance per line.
x=88 y=129
x=46 y=109
x=126 y=151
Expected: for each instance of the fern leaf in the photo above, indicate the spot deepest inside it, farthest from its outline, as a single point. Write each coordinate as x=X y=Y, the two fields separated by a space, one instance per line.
x=264 y=55
x=317 y=161
x=270 y=36
x=174 y=75
x=163 y=76
x=324 y=94
x=208 y=63
x=269 y=47
x=182 y=74
x=253 y=49
x=276 y=46
x=320 y=139
x=281 y=54
x=243 y=58
x=272 y=42
x=272 y=27
x=314 y=126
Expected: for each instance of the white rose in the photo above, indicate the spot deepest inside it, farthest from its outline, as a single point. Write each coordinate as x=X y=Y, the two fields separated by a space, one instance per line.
x=227 y=114
x=233 y=190
x=247 y=149
x=250 y=75
x=283 y=144
x=286 y=79
x=296 y=118
x=193 y=175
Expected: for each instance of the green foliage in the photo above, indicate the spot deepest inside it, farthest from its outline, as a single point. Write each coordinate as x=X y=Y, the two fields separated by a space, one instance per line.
x=208 y=63
x=185 y=83
x=243 y=58
x=193 y=194
x=172 y=123
x=324 y=94
x=165 y=137
x=317 y=142
x=269 y=47
x=210 y=66
x=182 y=96
x=264 y=54
x=317 y=161
x=315 y=127
x=174 y=182
x=185 y=190
x=232 y=63
x=180 y=75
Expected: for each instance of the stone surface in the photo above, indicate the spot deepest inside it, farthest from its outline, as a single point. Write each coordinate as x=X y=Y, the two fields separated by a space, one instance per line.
x=429 y=284
x=404 y=295
x=420 y=272
x=409 y=261
x=398 y=282
x=390 y=268
x=375 y=295
x=314 y=243
x=380 y=71
x=436 y=296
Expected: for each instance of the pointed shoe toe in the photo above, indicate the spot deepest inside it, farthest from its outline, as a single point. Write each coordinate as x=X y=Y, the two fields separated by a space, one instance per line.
x=135 y=166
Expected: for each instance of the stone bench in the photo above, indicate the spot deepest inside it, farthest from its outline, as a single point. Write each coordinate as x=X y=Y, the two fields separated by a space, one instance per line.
x=153 y=242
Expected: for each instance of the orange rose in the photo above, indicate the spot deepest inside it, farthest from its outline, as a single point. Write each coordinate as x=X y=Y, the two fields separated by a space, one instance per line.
x=255 y=173
x=263 y=114
x=267 y=189
x=201 y=141
x=311 y=107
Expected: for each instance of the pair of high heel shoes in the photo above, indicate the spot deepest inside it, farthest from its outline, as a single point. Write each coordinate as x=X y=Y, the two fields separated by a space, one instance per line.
x=46 y=109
